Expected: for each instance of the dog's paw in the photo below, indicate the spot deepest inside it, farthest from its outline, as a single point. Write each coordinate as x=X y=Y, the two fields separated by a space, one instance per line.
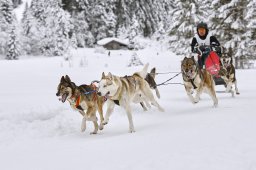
x=131 y=131
x=227 y=90
x=195 y=101
x=83 y=125
x=101 y=127
x=93 y=133
x=161 y=109
x=237 y=93
x=105 y=122
x=232 y=93
x=145 y=109
x=83 y=128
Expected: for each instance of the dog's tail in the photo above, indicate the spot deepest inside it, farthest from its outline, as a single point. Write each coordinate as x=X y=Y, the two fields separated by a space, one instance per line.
x=153 y=75
x=143 y=73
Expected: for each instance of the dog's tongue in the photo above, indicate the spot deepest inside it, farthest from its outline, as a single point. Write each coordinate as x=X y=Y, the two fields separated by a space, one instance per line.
x=63 y=97
x=189 y=74
x=107 y=95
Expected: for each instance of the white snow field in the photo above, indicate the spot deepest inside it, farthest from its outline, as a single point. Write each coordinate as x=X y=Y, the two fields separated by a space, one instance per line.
x=38 y=132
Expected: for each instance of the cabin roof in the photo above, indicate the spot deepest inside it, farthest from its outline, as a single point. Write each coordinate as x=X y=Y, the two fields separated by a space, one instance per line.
x=105 y=41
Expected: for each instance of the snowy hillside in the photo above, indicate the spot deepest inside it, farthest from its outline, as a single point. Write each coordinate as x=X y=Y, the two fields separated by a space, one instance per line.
x=39 y=132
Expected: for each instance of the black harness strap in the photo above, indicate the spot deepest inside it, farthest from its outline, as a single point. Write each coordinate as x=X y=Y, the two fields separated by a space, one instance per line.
x=80 y=108
x=192 y=80
x=193 y=84
x=116 y=102
x=165 y=82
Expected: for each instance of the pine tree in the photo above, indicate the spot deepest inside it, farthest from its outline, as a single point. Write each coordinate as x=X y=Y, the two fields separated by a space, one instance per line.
x=81 y=31
x=251 y=28
x=16 y=3
x=7 y=10
x=50 y=28
x=7 y=20
x=186 y=16
x=12 y=46
x=231 y=27
x=103 y=21
x=135 y=61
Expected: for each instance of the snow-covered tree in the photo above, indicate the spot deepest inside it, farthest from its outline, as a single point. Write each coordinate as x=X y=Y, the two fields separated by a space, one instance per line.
x=49 y=29
x=135 y=61
x=185 y=17
x=103 y=21
x=251 y=28
x=7 y=10
x=81 y=31
x=7 y=21
x=16 y=3
x=230 y=25
x=12 y=46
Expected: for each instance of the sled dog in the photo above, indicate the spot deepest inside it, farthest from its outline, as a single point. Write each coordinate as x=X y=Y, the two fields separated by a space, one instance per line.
x=84 y=99
x=198 y=80
x=126 y=90
x=228 y=73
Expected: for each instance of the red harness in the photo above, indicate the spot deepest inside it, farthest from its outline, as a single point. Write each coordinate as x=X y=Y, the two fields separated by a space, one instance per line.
x=78 y=101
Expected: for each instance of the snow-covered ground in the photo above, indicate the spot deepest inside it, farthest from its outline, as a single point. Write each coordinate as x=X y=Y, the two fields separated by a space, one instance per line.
x=38 y=132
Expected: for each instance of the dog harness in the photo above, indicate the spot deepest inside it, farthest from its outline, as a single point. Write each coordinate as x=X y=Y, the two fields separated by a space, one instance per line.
x=78 y=103
x=92 y=91
x=192 y=80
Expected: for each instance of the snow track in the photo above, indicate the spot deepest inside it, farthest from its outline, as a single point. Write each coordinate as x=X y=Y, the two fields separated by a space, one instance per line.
x=40 y=132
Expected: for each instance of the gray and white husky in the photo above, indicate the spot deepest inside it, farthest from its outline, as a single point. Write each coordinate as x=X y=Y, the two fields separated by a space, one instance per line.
x=125 y=90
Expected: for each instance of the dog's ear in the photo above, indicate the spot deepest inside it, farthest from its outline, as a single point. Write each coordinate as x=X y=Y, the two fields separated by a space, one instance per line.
x=153 y=72
x=67 y=78
x=103 y=75
x=62 y=79
x=109 y=75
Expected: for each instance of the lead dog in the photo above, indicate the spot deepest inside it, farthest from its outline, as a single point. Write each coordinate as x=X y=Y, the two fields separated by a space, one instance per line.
x=83 y=99
x=197 y=80
x=125 y=90
x=228 y=73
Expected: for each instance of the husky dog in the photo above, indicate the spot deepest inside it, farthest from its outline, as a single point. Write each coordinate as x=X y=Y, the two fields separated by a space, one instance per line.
x=198 y=80
x=228 y=73
x=125 y=90
x=84 y=99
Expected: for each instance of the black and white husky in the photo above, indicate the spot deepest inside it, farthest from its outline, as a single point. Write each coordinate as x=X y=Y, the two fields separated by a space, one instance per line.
x=228 y=73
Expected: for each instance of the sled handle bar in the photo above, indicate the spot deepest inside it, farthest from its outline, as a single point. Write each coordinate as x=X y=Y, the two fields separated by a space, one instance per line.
x=199 y=51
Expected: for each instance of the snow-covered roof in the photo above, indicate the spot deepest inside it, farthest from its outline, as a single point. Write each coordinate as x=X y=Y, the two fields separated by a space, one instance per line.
x=104 y=41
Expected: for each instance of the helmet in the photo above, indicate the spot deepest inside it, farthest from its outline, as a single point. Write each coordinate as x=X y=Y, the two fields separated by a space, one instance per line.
x=202 y=25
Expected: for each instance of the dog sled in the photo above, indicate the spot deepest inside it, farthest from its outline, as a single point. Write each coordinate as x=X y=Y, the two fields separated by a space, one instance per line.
x=212 y=62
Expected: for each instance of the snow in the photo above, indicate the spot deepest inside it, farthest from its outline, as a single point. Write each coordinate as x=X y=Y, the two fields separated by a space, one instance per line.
x=107 y=40
x=37 y=131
